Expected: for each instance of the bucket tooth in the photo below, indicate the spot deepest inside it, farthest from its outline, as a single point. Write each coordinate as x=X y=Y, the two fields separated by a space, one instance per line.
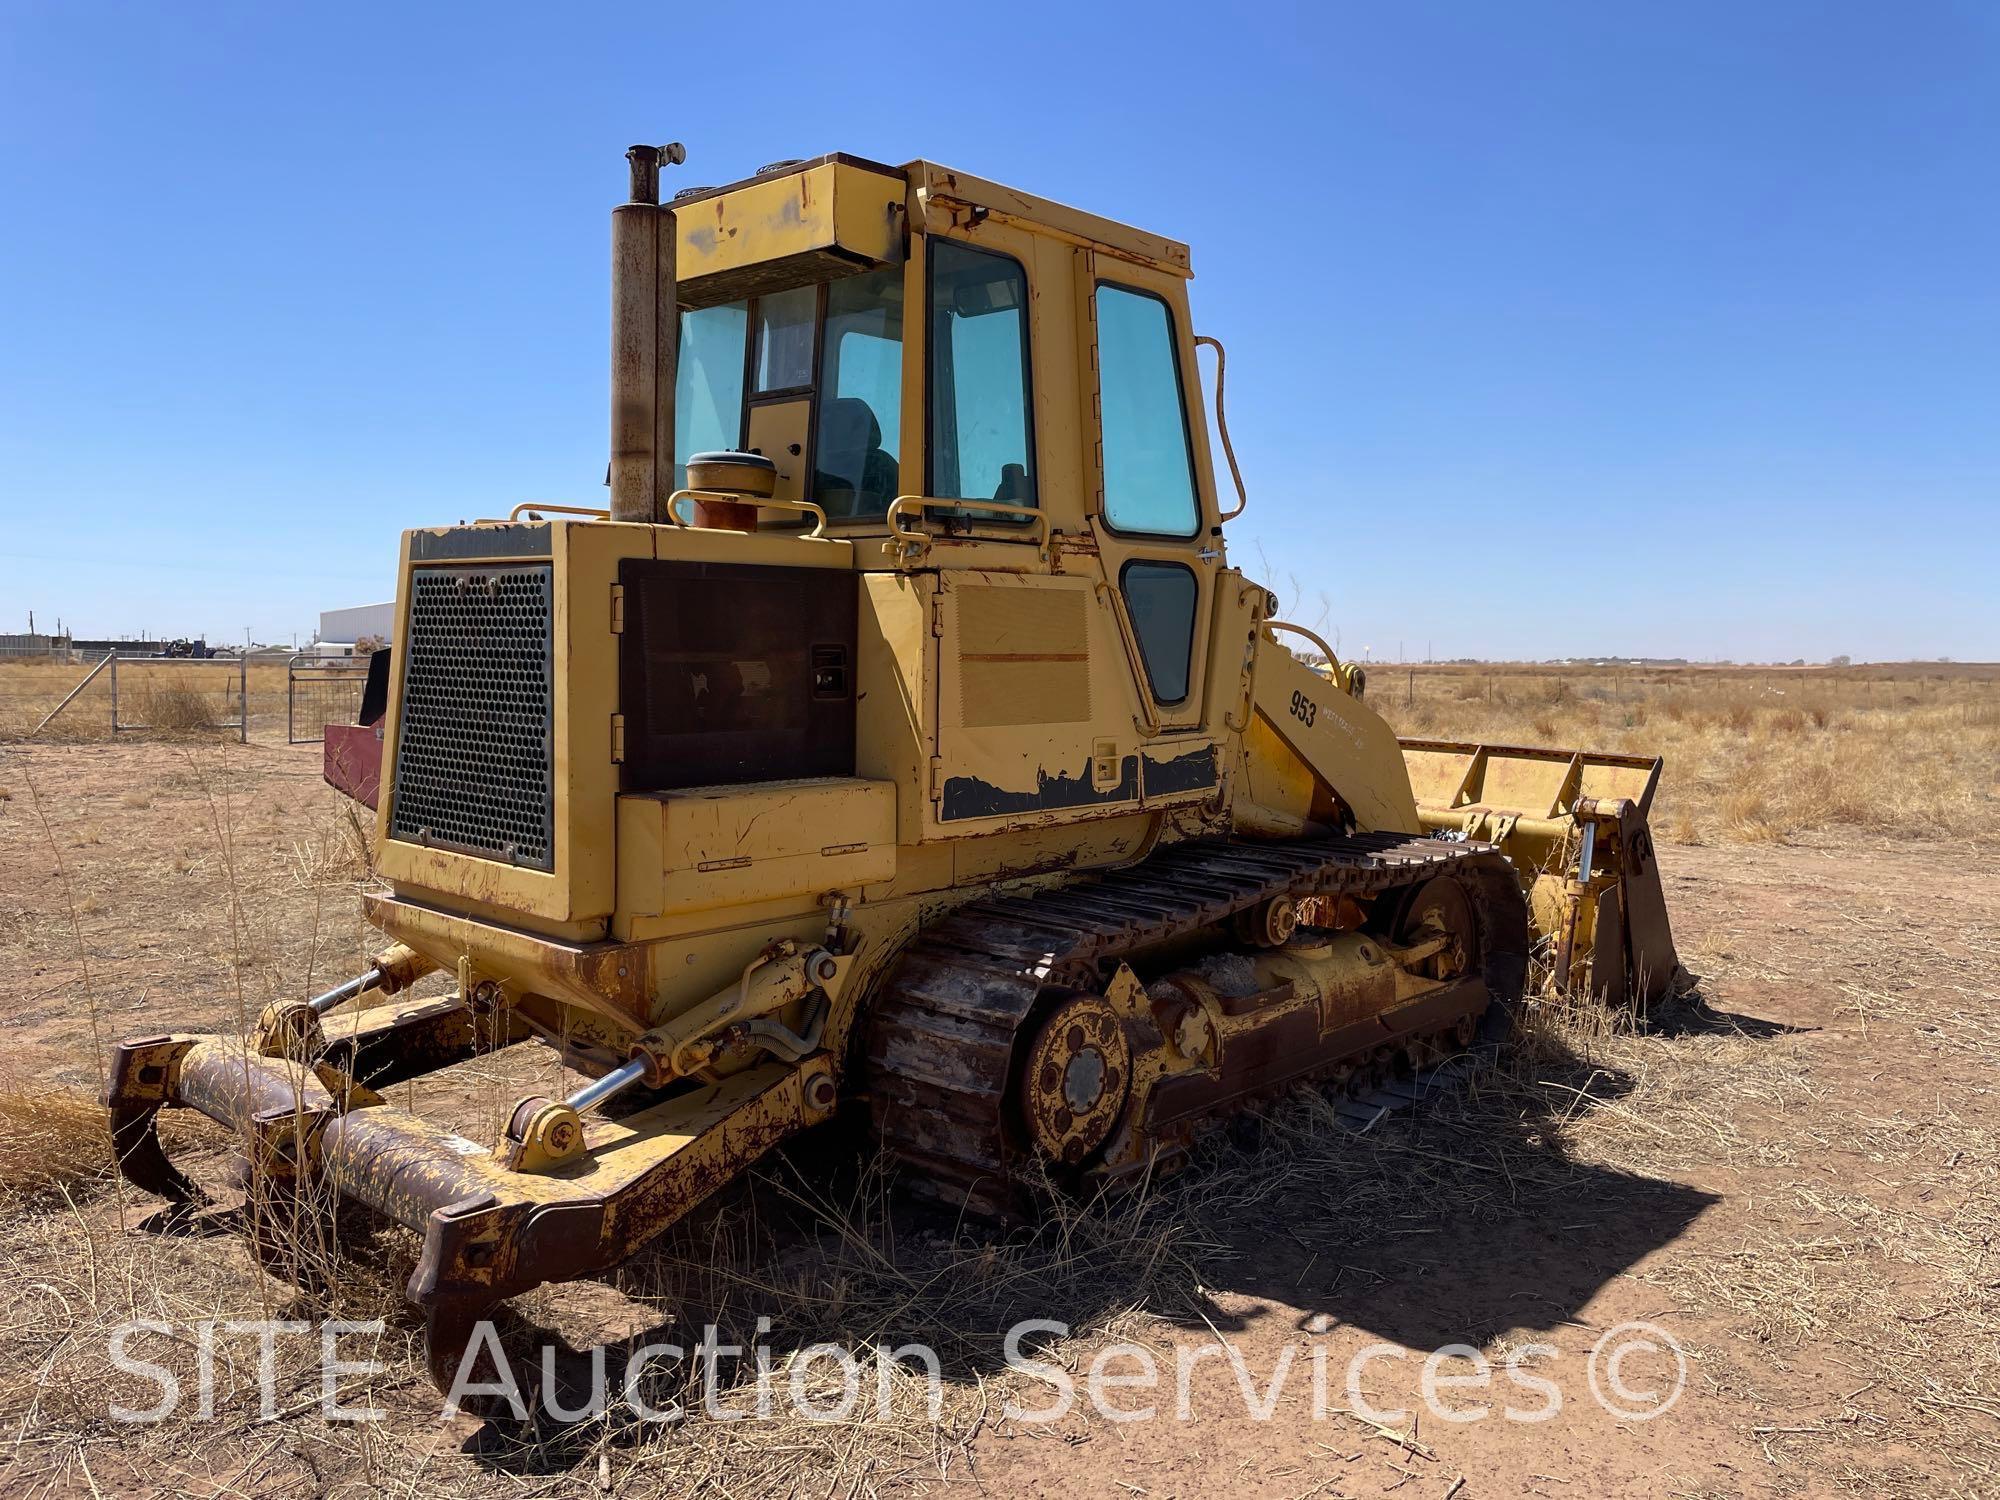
x=139 y=1084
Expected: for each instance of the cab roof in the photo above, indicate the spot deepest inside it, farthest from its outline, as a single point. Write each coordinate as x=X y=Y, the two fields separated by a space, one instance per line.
x=945 y=196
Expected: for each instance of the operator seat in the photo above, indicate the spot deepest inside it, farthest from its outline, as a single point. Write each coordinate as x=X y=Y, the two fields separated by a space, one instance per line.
x=852 y=475
x=1013 y=487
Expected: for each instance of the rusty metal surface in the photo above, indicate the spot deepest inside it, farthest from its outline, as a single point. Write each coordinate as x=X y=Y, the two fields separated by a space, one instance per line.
x=645 y=333
x=1076 y=1077
x=941 y=1045
x=611 y=979
x=391 y=1044
x=225 y=1079
x=1651 y=960
x=139 y=1083
x=489 y=1233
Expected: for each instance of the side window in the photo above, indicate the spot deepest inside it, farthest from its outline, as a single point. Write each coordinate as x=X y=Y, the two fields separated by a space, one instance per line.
x=981 y=443
x=855 y=473
x=785 y=339
x=1148 y=466
x=708 y=383
x=1161 y=597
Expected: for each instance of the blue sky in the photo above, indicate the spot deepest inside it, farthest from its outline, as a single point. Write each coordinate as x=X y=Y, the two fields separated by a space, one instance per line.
x=1552 y=328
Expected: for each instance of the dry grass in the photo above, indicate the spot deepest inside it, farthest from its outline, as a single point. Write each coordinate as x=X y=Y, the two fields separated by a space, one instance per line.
x=1751 y=755
x=51 y=1139
x=171 y=707
x=1892 y=1288
x=1589 y=1112
x=857 y=1274
x=55 y=1145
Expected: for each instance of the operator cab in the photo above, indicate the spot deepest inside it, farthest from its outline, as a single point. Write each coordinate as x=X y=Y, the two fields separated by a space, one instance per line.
x=800 y=356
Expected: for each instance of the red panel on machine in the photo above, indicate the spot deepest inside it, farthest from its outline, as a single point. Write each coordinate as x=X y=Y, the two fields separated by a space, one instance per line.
x=352 y=760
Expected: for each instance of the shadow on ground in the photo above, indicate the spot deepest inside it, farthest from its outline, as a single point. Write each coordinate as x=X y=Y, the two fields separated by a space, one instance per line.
x=1691 y=1013
x=1448 y=1226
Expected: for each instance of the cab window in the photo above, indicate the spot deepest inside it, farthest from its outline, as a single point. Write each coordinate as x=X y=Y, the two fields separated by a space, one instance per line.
x=785 y=339
x=708 y=383
x=981 y=444
x=1148 y=463
x=854 y=473
x=1162 y=597
x=839 y=346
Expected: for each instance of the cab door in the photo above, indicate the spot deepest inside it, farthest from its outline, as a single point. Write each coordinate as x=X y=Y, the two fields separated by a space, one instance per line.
x=1029 y=672
x=1154 y=514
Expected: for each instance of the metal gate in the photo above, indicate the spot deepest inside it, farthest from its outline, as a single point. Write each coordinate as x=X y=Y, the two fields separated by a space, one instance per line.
x=322 y=690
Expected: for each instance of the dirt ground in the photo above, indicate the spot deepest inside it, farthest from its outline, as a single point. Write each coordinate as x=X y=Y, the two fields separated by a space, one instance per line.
x=1792 y=1173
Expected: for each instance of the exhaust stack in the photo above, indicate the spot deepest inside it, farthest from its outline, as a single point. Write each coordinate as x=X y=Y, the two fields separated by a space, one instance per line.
x=645 y=340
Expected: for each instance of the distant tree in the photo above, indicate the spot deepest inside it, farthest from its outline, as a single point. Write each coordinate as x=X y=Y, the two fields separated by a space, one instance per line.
x=1841 y=661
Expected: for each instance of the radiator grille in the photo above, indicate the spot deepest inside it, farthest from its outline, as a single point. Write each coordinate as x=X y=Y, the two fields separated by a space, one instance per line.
x=474 y=746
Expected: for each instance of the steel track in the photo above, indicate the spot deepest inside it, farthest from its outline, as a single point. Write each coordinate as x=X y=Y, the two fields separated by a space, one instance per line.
x=940 y=1043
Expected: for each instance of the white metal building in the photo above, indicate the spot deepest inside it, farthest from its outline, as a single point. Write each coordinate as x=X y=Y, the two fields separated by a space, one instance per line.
x=343 y=627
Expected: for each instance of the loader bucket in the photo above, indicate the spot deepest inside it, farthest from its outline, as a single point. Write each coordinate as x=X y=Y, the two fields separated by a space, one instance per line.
x=1574 y=825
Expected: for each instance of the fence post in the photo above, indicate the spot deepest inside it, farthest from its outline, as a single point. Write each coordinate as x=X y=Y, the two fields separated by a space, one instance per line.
x=114 y=690
x=243 y=699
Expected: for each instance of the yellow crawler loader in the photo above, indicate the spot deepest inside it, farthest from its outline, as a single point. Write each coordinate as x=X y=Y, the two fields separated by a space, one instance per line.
x=900 y=741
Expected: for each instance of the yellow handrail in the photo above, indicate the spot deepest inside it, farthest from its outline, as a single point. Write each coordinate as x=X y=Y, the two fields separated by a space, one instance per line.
x=1222 y=426
x=800 y=507
x=562 y=510
x=916 y=542
x=1347 y=678
x=1318 y=640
